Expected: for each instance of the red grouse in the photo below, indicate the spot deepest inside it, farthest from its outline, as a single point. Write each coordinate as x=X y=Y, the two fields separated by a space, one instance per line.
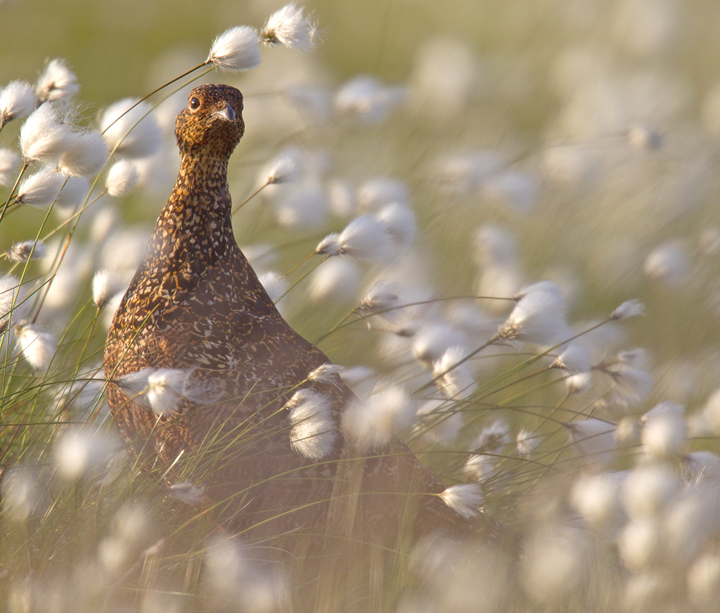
x=196 y=305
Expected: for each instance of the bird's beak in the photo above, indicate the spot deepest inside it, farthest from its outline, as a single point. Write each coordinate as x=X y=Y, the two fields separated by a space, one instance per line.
x=226 y=113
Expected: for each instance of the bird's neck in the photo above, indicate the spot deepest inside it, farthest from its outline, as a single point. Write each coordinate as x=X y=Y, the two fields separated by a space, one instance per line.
x=196 y=219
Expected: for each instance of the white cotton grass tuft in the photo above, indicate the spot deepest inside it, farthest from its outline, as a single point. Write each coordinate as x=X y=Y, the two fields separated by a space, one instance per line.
x=382 y=299
x=368 y=100
x=36 y=346
x=632 y=384
x=325 y=373
x=669 y=262
x=703 y=580
x=664 y=430
x=79 y=452
x=465 y=173
x=574 y=359
x=74 y=191
x=17 y=100
x=40 y=189
x=302 y=207
x=593 y=440
x=516 y=189
x=432 y=340
x=538 y=316
x=465 y=499
x=9 y=299
x=399 y=222
x=26 y=250
x=455 y=379
x=365 y=238
x=493 y=438
x=235 y=50
x=648 y=490
x=439 y=421
x=286 y=167
x=629 y=308
x=639 y=543
x=313 y=432
x=9 y=163
x=336 y=280
x=290 y=28
x=372 y=423
x=274 y=284
x=526 y=442
x=554 y=564
x=378 y=192
x=56 y=83
x=105 y=284
x=117 y=124
x=86 y=157
x=165 y=389
x=597 y=498
x=187 y=492
x=479 y=467
x=44 y=137
x=122 y=178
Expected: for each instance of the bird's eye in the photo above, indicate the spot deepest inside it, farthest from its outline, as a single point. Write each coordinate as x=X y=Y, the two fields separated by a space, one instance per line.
x=194 y=104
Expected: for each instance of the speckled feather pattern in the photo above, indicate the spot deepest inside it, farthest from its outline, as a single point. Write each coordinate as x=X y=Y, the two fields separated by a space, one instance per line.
x=195 y=303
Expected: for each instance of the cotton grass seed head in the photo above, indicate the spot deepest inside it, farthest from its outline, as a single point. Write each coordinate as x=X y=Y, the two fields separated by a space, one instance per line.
x=235 y=50
x=291 y=28
x=455 y=380
x=372 y=423
x=44 y=137
x=79 y=452
x=381 y=297
x=399 y=222
x=25 y=250
x=274 y=284
x=41 y=189
x=365 y=238
x=86 y=157
x=526 y=442
x=187 y=492
x=629 y=308
x=366 y=99
x=126 y=139
x=105 y=284
x=35 y=345
x=648 y=490
x=9 y=162
x=325 y=373
x=593 y=440
x=56 y=83
x=283 y=169
x=575 y=359
x=165 y=390
x=313 y=432
x=17 y=99
x=9 y=299
x=465 y=499
x=538 y=316
x=121 y=179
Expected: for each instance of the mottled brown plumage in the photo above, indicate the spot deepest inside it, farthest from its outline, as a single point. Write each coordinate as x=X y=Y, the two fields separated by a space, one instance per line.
x=195 y=303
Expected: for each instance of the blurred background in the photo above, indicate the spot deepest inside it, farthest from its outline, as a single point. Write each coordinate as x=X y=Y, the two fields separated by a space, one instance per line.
x=570 y=140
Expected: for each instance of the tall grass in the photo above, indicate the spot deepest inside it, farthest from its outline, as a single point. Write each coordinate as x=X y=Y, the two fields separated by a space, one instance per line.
x=412 y=238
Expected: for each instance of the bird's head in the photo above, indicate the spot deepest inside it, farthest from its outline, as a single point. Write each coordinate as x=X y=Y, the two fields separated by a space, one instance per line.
x=211 y=122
